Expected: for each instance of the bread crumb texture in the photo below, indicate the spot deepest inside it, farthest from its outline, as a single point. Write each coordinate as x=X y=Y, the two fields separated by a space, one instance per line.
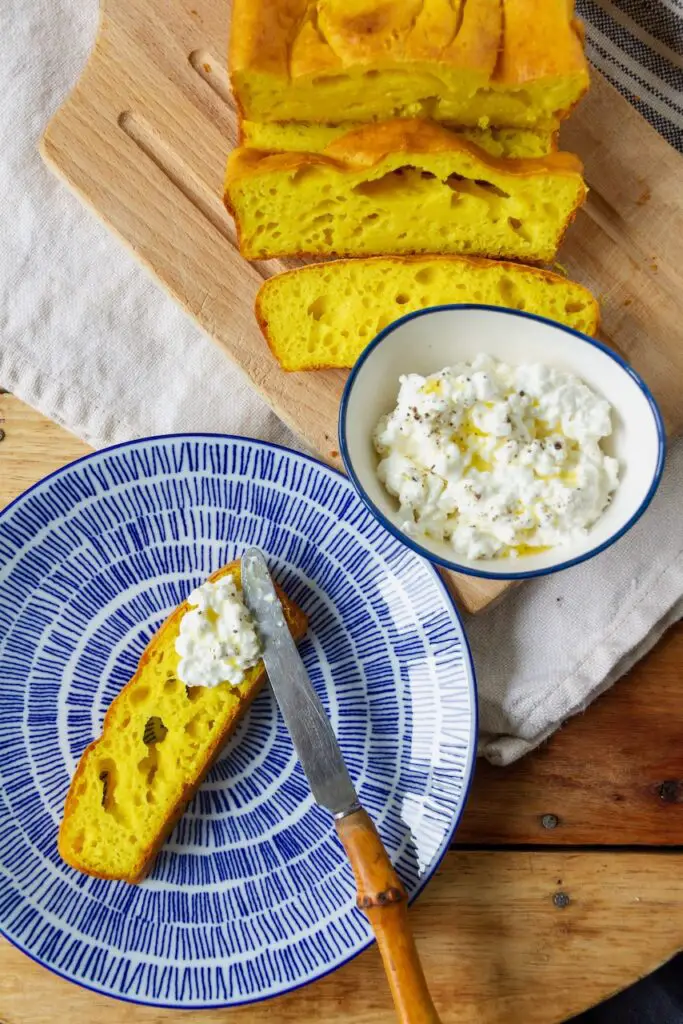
x=326 y=313
x=402 y=187
x=159 y=739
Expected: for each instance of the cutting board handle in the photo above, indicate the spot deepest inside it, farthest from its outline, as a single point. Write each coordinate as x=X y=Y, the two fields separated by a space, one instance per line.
x=384 y=901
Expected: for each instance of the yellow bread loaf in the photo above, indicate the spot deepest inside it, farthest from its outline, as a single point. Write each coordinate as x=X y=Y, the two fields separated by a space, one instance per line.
x=404 y=186
x=325 y=314
x=508 y=63
x=294 y=137
x=158 y=741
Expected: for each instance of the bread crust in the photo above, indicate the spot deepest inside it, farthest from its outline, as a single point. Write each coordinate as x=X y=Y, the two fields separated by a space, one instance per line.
x=297 y=622
x=368 y=146
x=498 y=43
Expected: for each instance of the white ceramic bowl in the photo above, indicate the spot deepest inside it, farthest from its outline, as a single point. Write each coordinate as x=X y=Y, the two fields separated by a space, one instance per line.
x=430 y=339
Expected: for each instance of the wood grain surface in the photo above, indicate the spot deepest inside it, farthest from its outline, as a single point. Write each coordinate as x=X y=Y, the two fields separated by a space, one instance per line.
x=497 y=948
x=497 y=943
x=143 y=140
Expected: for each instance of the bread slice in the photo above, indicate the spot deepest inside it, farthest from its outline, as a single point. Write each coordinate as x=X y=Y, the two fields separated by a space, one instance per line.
x=293 y=137
x=158 y=741
x=324 y=314
x=404 y=186
x=508 y=63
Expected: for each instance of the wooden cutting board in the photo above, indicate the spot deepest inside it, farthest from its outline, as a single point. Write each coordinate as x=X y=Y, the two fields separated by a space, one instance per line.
x=143 y=139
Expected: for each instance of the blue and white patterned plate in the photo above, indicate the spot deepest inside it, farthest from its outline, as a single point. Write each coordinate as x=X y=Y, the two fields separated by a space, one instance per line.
x=252 y=895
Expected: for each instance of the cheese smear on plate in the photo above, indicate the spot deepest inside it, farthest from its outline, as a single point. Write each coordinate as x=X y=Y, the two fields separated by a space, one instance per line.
x=217 y=642
x=497 y=460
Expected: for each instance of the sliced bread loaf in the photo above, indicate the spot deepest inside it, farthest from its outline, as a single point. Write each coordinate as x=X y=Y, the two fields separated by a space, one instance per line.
x=514 y=63
x=158 y=741
x=292 y=137
x=404 y=186
x=324 y=314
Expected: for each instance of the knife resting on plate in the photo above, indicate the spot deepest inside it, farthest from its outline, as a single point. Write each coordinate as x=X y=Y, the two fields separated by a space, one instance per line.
x=380 y=892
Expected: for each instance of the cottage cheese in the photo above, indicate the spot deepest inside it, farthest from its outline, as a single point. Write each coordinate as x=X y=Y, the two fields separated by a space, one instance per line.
x=497 y=460
x=217 y=642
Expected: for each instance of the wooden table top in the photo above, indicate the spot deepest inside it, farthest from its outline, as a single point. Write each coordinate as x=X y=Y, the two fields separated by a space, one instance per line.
x=564 y=885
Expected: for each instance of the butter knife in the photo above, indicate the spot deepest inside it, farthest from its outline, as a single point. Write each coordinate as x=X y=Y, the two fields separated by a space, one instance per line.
x=380 y=892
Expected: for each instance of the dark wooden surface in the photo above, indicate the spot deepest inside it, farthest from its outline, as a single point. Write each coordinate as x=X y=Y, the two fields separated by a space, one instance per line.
x=612 y=776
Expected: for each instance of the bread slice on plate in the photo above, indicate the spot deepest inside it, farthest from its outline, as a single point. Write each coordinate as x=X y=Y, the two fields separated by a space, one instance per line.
x=294 y=137
x=404 y=186
x=324 y=314
x=513 y=63
x=158 y=741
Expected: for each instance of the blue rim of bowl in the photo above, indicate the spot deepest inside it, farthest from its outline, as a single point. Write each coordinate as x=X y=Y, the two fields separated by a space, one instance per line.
x=469 y=768
x=456 y=566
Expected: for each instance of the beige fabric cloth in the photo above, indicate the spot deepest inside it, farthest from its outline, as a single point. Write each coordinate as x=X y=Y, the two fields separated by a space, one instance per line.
x=90 y=340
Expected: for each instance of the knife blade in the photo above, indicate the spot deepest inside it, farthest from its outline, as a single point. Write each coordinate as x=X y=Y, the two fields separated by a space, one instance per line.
x=313 y=737
x=380 y=892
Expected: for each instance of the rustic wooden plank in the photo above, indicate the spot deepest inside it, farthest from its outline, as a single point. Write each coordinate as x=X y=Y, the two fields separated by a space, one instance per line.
x=497 y=948
x=611 y=776
x=32 y=447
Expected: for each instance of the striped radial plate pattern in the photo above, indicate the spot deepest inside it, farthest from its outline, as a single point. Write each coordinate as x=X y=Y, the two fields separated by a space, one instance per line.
x=251 y=896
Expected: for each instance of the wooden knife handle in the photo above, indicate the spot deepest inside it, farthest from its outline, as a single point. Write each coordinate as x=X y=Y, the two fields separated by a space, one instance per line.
x=383 y=899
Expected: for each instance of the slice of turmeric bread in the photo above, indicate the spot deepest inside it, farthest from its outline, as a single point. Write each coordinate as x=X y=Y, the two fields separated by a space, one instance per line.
x=293 y=137
x=404 y=186
x=325 y=314
x=508 y=63
x=158 y=741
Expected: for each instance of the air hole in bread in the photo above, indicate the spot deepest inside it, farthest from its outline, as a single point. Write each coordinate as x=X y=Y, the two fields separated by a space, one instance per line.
x=170 y=685
x=490 y=187
x=148 y=766
x=478 y=187
x=78 y=842
x=155 y=731
x=508 y=292
x=319 y=307
x=199 y=725
x=193 y=693
x=574 y=307
x=517 y=225
x=393 y=183
x=138 y=694
x=402 y=298
x=329 y=79
x=107 y=774
x=426 y=275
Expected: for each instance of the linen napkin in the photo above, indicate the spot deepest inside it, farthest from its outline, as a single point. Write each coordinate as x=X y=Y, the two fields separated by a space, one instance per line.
x=91 y=341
